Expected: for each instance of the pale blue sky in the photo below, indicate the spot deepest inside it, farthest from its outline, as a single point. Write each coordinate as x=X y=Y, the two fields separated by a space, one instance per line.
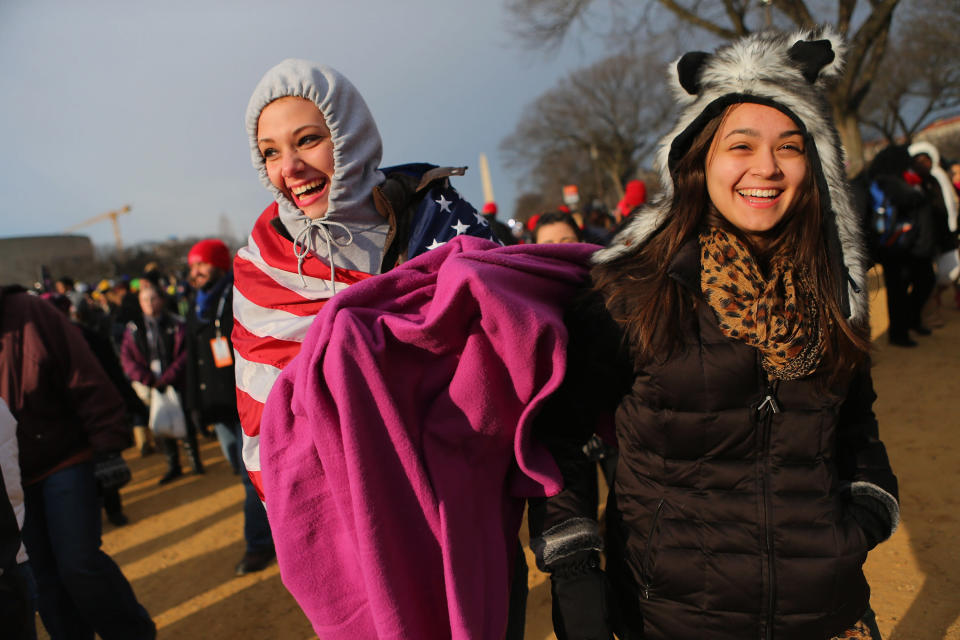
x=109 y=102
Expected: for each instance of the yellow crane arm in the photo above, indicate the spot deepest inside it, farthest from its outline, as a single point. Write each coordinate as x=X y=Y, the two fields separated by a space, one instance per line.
x=112 y=216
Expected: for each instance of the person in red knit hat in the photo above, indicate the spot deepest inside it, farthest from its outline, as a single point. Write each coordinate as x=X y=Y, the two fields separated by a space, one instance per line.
x=207 y=255
x=634 y=197
x=210 y=390
x=500 y=230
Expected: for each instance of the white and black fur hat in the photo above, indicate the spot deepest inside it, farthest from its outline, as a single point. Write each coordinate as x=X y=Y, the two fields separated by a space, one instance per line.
x=789 y=72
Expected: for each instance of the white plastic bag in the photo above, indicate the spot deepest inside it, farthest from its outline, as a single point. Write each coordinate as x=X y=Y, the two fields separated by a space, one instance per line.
x=948 y=268
x=166 y=414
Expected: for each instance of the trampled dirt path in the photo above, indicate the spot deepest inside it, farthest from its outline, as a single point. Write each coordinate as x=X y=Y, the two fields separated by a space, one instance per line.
x=184 y=539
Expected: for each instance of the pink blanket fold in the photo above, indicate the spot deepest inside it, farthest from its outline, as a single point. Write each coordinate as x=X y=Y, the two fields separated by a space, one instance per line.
x=396 y=448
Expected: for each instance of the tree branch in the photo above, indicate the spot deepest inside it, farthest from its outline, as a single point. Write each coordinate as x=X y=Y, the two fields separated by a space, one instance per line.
x=797 y=11
x=845 y=15
x=545 y=23
x=867 y=71
x=685 y=14
x=876 y=24
x=736 y=15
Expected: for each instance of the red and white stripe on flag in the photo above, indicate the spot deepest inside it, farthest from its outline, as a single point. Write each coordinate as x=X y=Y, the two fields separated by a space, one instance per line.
x=272 y=309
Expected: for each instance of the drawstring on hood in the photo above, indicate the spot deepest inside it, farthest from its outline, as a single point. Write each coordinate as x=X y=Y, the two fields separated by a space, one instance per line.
x=352 y=234
x=302 y=245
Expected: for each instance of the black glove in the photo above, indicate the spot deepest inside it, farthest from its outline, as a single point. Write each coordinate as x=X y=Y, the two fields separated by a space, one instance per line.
x=580 y=595
x=111 y=470
x=873 y=518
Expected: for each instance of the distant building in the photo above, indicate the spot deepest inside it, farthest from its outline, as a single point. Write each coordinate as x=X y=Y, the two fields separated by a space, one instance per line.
x=63 y=255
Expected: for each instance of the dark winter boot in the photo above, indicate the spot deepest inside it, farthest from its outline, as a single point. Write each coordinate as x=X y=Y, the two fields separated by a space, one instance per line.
x=193 y=452
x=173 y=460
x=114 y=507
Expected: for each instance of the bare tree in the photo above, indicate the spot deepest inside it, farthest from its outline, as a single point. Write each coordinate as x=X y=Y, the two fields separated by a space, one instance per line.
x=866 y=25
x=920 y=80
x=594 y=128
x=531 y=203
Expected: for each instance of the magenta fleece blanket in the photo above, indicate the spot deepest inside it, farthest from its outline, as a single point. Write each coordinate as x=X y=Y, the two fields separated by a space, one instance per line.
x=396 y=448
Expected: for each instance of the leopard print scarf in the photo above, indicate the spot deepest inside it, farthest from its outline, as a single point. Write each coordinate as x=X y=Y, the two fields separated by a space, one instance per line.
x=860 y=631
x=776 y=314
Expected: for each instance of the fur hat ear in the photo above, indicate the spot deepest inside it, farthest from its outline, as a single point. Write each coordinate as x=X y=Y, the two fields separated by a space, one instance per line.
x=688 y=70
x=811 y=56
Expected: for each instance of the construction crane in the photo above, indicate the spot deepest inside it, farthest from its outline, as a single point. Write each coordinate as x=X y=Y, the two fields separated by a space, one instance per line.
x=112 y=215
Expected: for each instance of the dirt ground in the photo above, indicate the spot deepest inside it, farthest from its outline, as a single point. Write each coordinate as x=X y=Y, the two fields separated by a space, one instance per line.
x=184 y=539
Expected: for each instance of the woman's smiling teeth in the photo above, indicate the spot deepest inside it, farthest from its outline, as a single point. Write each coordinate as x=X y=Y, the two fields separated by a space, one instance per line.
x=309 y=192
x=306 y=189
x=759 y=193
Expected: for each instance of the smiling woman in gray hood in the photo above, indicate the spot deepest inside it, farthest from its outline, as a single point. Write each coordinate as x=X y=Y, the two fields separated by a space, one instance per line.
x=337 y=218
x=309 y=126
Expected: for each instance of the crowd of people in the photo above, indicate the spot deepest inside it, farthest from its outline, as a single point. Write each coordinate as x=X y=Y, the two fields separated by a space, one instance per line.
x=395 y=378
x=86 y=371
x=912 y=220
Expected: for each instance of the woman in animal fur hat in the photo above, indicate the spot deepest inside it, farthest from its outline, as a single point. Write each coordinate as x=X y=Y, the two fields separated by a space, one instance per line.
x=726 y=331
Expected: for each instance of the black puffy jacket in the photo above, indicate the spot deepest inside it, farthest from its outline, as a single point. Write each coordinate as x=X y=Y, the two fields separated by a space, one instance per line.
x=729 y=516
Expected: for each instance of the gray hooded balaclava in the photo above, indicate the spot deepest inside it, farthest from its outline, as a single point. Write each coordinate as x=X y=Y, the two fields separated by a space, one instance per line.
x=788 y=72
x=352 y=234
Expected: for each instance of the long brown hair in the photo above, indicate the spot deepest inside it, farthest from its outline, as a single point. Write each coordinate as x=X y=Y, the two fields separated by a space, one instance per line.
x=652 y=307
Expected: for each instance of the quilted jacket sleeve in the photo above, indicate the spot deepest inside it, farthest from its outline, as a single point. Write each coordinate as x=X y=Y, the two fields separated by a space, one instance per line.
x=862 y=457
x=597 y=377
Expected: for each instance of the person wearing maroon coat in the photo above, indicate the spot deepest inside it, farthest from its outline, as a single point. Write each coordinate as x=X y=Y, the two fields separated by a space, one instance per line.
x=154 y=356
x=70 y=426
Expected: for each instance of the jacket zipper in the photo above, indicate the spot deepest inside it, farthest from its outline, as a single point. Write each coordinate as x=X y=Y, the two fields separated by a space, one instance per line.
x=647 y=578
x=767 y=408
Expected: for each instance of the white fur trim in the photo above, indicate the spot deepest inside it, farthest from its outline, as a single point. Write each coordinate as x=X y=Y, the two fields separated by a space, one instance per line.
x=871 y=490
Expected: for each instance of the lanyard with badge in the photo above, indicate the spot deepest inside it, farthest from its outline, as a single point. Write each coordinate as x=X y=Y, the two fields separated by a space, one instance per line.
x=222 y=357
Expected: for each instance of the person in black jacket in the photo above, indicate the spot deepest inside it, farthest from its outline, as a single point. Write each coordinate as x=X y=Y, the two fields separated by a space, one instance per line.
x=726 y=331
x=907 y=266
x=211 y=386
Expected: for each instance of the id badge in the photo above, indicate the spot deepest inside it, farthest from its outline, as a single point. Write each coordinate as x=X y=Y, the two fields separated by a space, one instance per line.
x=221 y=352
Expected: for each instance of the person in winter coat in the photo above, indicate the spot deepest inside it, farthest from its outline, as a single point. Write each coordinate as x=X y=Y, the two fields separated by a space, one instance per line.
x=16 y=608
x=211 y=395
x=154 y=356
x=726 y=331
x=928 y=165
x=338 y=218
x=102 y=349
x=942 y=198
x=907 y=262
x=502 y=232
x=70 y=428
